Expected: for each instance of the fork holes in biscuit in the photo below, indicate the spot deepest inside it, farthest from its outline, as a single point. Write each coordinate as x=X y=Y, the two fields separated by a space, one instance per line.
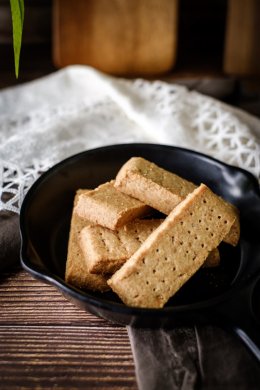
x=138 y=239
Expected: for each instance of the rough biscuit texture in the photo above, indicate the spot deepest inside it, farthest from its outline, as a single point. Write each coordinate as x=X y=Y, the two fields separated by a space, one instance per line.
x=161 y=189
x=77 y=272
x=174 y=251
x=232 y=237
x=107 y=250
x=152 y=185
x=108 y=207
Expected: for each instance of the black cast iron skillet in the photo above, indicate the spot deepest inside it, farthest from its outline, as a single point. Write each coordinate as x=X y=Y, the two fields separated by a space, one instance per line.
x=228 y=296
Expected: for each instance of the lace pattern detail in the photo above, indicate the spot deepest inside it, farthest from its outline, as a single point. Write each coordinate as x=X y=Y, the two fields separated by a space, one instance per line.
x=15 y=182
x=78 y=108
x=225 y=137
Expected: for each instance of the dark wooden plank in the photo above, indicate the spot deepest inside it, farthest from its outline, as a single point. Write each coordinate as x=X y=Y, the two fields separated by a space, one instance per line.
x=47 y=342
x=24 y=300
x=64 y=356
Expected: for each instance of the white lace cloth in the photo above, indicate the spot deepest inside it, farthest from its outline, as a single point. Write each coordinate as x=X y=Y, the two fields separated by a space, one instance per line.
x=78 y=108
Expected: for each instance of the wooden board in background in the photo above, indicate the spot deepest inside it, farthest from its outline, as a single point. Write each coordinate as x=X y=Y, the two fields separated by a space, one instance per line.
x=242 y=49
x=120 y=37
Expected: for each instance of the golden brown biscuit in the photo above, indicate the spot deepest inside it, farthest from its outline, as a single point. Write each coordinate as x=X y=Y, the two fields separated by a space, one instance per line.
x=77 y=272
x=174 y=251
x=108 y=207
x=107 y=250
x=161 y=189
x=153 y=185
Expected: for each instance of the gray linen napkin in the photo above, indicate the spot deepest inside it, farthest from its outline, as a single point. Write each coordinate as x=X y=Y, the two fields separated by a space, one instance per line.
x=225 y=363
x=9 y=240
x=205 y=358
x=165 y=359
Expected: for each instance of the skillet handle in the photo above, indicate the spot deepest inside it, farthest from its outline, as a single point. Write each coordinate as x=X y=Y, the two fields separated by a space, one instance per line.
x=238 y=313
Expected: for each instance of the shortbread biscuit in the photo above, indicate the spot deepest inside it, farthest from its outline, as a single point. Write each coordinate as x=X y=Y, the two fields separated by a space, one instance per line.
x=153 y=185
x=106 y=250
x=174 y=251
x=108 y=207
x=161 y=189
x=77 y=272
x=233 y=235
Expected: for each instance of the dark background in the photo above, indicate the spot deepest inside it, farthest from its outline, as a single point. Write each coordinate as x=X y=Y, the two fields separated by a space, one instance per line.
x=201 y=55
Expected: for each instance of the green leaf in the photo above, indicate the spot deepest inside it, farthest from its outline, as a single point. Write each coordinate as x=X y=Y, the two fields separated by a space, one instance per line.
x=17 y=10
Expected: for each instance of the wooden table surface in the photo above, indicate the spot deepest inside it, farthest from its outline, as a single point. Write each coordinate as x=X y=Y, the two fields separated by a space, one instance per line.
x=48 y=343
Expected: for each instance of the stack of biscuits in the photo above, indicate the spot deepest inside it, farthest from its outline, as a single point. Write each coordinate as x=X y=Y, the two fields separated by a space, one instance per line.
x=116 y=243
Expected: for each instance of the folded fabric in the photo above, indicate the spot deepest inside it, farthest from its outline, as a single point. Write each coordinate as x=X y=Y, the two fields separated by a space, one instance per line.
x=9 y=240
x=207 y=358
x=165 y=359
x=225 y=363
